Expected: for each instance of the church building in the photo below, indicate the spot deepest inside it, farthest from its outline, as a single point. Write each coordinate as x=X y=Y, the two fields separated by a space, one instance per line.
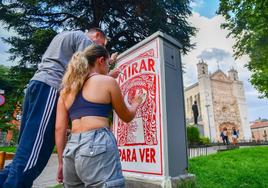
x=221 y=103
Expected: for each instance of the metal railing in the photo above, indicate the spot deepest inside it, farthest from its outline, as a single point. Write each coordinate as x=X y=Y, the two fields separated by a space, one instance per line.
x=198 y=151
x=204 y=150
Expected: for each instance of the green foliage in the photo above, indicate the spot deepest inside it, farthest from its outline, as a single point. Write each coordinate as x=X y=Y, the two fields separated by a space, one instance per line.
x=13 y=83
x=204 y=140
x=189 y=183
x=194 y=138
x=193 y=135
x=8 y=149
x=55 y=150
x=6 y=126
x=247 y=22
x=57 y=186
x=245 y=168
x=15 y=136
x=125 y=22
x=5 y=82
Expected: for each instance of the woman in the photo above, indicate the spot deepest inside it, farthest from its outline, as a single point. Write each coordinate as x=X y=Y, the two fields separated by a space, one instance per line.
x=234 y=136
x=90 y=157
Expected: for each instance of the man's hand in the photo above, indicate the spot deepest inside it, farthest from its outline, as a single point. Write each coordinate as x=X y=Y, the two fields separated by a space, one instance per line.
x=115 y=72
x=113 y=58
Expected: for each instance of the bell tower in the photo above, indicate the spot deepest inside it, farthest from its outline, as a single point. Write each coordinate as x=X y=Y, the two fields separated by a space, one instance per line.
x=202 y=69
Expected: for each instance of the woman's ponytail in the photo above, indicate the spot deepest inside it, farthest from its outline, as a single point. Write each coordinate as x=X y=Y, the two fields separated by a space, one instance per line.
x=78 y=68
x=76 y=73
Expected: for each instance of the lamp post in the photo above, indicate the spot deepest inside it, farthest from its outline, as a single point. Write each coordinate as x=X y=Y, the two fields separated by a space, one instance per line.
x=207 y=106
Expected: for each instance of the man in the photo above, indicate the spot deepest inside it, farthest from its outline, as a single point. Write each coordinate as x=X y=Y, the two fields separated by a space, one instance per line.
x=36 y=140
x=195 y=112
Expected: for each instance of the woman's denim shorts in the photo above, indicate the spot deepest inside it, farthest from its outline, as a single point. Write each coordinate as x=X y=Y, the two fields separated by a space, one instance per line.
x=91 y=159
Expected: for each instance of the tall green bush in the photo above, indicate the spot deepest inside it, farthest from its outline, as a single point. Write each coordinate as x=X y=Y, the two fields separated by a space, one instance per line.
x=193 y=135
x=204 y=140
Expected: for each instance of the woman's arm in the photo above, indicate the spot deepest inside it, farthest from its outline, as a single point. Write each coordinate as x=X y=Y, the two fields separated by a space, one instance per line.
x=125 y=113
x=61 y=132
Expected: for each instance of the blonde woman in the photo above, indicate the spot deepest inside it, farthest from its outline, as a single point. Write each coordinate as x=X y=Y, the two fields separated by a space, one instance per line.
x=90 y=158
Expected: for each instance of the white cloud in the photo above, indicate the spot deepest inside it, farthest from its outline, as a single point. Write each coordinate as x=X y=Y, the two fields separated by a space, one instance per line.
x=210 y=37
x=214 y=53
x=196 y=3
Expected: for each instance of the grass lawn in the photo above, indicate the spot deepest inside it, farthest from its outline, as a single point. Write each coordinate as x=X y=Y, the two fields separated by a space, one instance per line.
x=8 y=149
x=13 y=149
x=57 y=186
x=239 y=168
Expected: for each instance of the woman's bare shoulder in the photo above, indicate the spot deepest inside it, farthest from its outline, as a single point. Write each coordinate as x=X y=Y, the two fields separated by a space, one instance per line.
x=105 y=79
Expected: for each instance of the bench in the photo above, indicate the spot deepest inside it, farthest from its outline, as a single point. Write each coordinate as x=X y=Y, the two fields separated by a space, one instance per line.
x=5 y=156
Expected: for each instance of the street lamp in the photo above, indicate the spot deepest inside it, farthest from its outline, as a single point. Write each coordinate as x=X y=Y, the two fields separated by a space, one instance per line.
x=207 y=106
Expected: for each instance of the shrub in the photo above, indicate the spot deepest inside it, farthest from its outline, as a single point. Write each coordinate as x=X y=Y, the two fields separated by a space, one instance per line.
x=193 y=136
x=6 y=126
x=204 y=140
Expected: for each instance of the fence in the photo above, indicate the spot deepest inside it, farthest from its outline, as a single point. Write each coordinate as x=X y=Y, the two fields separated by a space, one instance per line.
x=203 y=150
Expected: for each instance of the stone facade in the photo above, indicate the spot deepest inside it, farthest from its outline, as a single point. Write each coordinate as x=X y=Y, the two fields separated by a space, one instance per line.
x=259 y=130
x=221 y=103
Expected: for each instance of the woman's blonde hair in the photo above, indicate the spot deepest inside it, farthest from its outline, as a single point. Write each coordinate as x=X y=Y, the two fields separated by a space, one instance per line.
x=78 y=68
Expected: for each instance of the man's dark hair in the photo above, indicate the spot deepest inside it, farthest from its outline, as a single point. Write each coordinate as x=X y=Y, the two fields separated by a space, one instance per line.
x=95 y=30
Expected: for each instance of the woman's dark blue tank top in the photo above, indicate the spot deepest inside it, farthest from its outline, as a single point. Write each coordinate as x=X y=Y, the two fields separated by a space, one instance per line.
x=81 y=108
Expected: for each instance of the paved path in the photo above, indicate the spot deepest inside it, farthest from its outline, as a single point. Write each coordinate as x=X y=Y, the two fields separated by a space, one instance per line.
x=48 y=176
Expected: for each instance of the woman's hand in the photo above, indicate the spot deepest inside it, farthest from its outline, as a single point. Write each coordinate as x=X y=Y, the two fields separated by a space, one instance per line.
x=60 y=174
x=137 y=100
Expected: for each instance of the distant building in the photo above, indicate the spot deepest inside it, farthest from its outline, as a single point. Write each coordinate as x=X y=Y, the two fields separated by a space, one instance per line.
x=221 y=102
x=259 y=130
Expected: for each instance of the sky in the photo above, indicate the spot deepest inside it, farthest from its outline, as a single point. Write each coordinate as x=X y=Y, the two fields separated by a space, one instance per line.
x=4 y=47
x=212 y=45
x=215 y=48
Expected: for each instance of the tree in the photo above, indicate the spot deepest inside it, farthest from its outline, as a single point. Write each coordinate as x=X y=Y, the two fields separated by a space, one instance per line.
x=13 y=95
x=247 y=22
x=126 y=22
x=13 y=83
x=4 y=81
